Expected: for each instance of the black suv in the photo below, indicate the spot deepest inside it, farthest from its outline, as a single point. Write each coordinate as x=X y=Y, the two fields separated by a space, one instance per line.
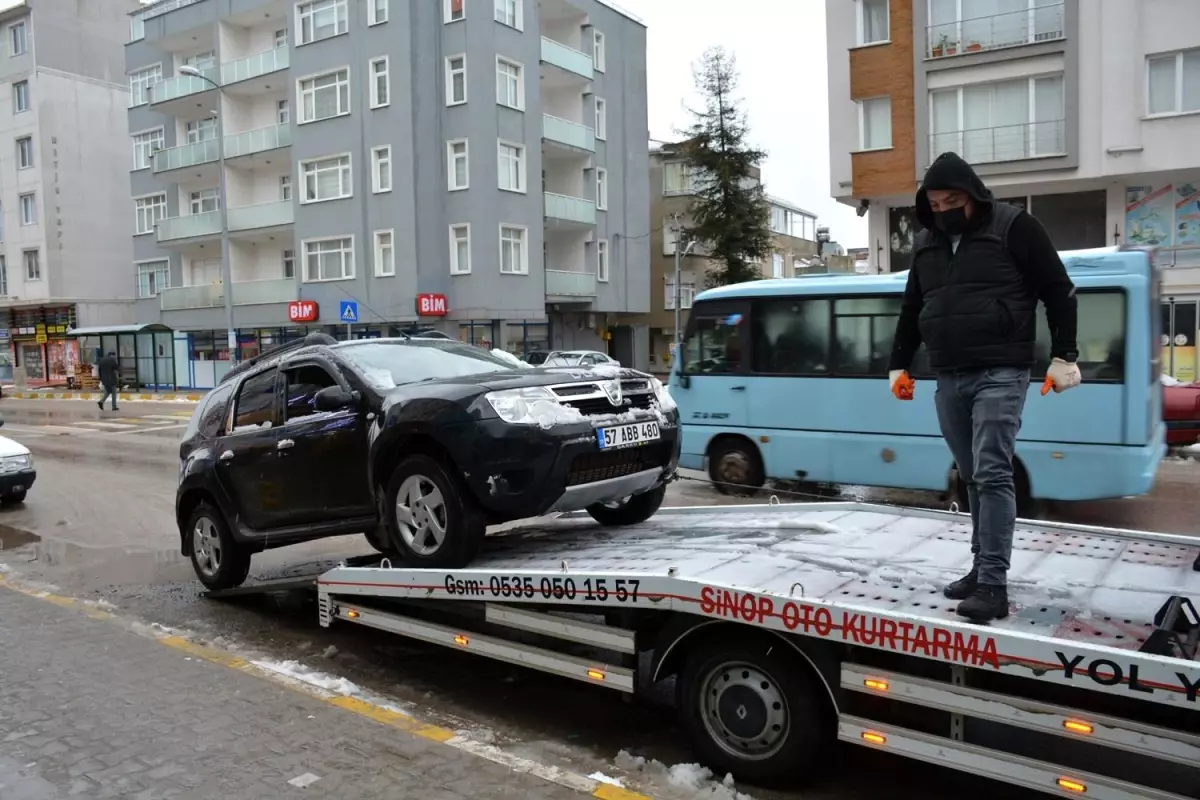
x=418 y=443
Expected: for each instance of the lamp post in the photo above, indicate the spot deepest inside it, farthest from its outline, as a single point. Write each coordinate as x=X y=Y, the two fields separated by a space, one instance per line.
x=679 y=287
x=226 y=270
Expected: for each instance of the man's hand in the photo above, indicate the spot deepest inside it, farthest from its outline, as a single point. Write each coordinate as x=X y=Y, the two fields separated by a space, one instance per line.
x=1061 y=376
x=902 y=384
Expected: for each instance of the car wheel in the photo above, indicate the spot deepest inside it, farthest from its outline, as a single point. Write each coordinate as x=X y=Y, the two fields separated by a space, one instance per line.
x=219 y=561
x=630 y=511
x=16 y=497
x=379 y=540
x=735 y=469
x=431 y=519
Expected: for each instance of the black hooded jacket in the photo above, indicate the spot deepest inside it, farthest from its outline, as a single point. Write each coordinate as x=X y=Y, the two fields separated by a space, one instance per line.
x=975 y=306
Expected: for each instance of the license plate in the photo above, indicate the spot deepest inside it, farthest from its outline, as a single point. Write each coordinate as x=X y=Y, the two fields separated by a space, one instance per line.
x=627 y=435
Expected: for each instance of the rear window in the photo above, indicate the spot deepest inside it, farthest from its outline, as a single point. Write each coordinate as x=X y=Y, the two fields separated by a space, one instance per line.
x=209 y=418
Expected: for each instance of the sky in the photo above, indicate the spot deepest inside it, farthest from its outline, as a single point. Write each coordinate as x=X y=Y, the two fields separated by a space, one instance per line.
x=780 y=52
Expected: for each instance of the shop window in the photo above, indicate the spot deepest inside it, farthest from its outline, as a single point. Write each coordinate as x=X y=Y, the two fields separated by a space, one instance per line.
x=256 y=402
x=1075 y=221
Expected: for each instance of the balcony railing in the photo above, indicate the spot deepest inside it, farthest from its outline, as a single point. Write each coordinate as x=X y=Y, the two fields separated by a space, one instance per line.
x=264 y=215
x=570 y=209
x=253 y=66
x=258 y=140
x=181 y=86
x=208 y=295
x=186 y=155
x=568 y=58
x=1042 y=23
x=1183 y=255
x=189 y=225
x=212 y=295
x=249 y=293
x=1004 y=143
x=560 y=283
x=137 y=22
x=572 y=134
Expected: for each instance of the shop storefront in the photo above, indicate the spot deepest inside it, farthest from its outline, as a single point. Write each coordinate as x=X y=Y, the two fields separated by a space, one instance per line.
x=36 y=340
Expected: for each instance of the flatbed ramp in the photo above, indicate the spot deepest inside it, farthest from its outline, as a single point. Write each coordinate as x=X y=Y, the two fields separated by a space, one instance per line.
x=1100 y=618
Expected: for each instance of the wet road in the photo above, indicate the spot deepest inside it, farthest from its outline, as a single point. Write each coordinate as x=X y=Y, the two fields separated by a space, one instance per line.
x=99 y=524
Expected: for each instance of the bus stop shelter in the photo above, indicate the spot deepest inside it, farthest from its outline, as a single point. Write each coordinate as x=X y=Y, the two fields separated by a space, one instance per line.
x=145 y=354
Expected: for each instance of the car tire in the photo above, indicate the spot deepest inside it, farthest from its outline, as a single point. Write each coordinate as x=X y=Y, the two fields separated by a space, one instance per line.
x=630 y=511
x=219 y=561
x=441 y=502
x=735 y=468
x=16 y=497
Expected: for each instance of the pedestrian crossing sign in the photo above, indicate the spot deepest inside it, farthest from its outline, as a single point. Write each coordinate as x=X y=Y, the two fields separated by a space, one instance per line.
x=348 y=312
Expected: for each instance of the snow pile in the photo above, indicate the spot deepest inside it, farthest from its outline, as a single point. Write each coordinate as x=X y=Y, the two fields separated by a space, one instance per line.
x=548 y=413
x=510 y=358
x=611 y=781
x=298 y=672
x=692 y=778
x=606 y=371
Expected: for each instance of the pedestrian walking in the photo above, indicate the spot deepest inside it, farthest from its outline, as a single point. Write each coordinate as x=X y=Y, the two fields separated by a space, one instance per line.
x=977 y=272
x=108 y=379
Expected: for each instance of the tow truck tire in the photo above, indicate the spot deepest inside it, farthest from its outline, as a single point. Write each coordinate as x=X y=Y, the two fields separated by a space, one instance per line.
x=219 y=561
x=751 y=708
x=735 y=467
x=16 y=497
x=439 y=499
x=631 y=510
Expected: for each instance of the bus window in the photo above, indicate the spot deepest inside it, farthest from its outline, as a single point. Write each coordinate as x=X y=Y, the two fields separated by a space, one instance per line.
x=714 y=345
x=1101 y=338
x=791 y=336
x=863 y=332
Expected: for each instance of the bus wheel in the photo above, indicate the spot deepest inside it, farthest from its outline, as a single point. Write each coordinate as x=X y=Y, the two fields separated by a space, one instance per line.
x=735 y=467
x=750 y=709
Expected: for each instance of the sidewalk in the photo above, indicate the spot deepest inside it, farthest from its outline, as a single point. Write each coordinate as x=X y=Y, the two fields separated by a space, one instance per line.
x=90 y=709
x=192 y=396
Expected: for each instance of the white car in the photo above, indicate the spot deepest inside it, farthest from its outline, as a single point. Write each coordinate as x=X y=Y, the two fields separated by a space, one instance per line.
x=579 y=358
x=16 y=470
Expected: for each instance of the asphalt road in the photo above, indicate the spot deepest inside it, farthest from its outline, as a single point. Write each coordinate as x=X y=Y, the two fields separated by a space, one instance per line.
x=99 y=525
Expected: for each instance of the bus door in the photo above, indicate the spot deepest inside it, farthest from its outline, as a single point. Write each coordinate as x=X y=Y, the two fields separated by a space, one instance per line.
x=710 y=384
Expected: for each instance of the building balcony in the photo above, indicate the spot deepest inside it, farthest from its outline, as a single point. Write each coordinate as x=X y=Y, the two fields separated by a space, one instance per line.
x=263 y=215
x=995 y=32
x=186 y=155
x=567 y=211
x=212 y=295
x=182 y=93
x=251 y=74
x=189 y=226
x=237 y=146
x=570 y=63
x=137 y=22
x=560 y=283
x=1004 y=143
x=258 y=140
x=567 y=134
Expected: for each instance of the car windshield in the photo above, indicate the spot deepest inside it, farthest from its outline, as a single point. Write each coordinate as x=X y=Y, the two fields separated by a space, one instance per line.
x=561 y=361
x=389 y=364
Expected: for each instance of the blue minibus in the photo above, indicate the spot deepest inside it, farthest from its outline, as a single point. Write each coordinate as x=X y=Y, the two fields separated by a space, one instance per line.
x=787 y=380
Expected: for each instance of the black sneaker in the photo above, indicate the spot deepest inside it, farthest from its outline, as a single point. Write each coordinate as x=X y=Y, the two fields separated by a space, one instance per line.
x=101 y=405
x=964 y=587
x=986 y=603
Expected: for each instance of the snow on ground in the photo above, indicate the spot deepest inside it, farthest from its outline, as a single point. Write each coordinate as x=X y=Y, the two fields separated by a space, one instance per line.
x=692 y=780
x=322 y=680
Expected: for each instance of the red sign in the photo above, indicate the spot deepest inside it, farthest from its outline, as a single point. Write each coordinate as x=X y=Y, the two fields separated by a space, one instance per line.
x=303 y=311
x=431 y=305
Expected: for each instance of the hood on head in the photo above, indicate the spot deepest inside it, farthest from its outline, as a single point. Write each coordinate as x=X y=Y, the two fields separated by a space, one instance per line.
x=951 y=171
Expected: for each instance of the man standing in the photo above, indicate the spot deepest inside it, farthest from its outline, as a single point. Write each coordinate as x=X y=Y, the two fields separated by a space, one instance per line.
x=108 y=379
x=977 y=273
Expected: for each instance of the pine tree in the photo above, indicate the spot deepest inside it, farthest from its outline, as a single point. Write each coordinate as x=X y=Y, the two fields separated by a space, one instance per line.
x=730 y=214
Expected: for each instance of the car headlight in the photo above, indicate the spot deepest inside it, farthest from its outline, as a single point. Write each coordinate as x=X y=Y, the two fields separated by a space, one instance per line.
x=14 y=463
x=533 y=405
x=665 y=401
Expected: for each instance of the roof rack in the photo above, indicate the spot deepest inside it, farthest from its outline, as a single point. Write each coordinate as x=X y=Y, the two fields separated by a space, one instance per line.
x=311 y=340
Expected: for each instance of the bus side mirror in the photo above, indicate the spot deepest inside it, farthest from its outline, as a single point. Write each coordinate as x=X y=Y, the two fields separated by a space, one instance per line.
x=685 y=381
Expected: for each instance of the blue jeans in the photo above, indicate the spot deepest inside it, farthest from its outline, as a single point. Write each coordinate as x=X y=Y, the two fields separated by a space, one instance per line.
x=979 y=411
x=109 y=390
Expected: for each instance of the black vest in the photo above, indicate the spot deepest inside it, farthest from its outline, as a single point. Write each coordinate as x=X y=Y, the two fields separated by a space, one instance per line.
x=978 y=308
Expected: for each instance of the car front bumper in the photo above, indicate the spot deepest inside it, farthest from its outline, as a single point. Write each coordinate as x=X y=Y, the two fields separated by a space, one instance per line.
x=16 y=481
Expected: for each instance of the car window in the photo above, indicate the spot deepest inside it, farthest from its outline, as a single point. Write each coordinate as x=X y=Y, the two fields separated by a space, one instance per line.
x=303 y=383
x=388 y=364
x=209 y=419
x=256 y=402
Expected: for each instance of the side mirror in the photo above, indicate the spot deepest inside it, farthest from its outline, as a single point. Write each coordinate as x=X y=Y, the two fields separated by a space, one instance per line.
x=335 y=398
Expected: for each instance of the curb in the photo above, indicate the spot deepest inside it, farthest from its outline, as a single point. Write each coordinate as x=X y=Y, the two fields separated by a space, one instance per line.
x=95 y=396
x=376 y=713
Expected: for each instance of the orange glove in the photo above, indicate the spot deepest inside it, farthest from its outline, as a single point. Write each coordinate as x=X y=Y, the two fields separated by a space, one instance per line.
x=902 y=384
x=1047 y=386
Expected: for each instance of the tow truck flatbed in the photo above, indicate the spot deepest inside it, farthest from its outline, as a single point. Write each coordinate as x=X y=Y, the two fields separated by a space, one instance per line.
x=1097 y=655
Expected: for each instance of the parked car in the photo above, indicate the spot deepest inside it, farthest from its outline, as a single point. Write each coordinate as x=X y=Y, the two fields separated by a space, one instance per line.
x=536 y=357
x=418 y=443
x=579 y=358
x=425 y=333
x=16 y=470
x=1181 y=412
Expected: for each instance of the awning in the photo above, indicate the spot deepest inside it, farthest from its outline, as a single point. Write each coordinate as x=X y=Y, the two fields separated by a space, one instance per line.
x=101 y=330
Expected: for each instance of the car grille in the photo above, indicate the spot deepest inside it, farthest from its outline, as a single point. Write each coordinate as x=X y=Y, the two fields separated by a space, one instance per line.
x=592 y=467
x=591 y=399
x=596 y=406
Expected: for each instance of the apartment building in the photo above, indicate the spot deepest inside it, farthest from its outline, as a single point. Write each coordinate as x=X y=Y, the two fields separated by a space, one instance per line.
x=1086 y=112
x=63 y=253
x=477 y=166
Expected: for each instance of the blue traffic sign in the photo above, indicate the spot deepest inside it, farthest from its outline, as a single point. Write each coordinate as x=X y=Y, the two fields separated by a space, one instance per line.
x=348 y=311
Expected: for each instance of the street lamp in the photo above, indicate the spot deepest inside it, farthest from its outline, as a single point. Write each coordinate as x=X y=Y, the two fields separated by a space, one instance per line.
x=679 y=287
x=226 y=272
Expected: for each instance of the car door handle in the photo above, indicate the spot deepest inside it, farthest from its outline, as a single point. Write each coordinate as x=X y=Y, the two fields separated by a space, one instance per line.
x=285 y=444
x=228 y=454
x=738 y=389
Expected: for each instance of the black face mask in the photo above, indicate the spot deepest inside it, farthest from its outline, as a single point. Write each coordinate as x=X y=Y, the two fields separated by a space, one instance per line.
x=951 y=222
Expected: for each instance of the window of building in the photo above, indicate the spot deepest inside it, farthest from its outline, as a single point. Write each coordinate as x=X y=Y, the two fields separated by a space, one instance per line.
x=602 y=260
x=875 y=123
x=201 y=61
x=322 y=19
x=453 y=10
x=510 y=83
x=687 y=294
x=289 y=263
x=514 y=254
x=460 y=249
x=456 y=80
x=3 y=277
x=281 y=37
x=33 y=265
x=255 y=406
x=512 y=167
x=377 y=12
x=329 y=259
x=139 y=84
x=872 y=21
x=204 y=201
x=25 y=152
x=283 y=112
x=1173 y=82
x=153 y=277
x=598 y=55
x=510 y=13
x=145 y=145
x=458 y=172
x=381 y=169
x=678 y=178
x=17 y=40
x=777 y=265
x=601 y=188
x=326 y=178
x=202 y=130
x=285 y=187
x=325 y=96
x=601 y=119
x=1002 y=121
x=28 y=209
x=380 y=90
x=385 y=254
x=148 y=211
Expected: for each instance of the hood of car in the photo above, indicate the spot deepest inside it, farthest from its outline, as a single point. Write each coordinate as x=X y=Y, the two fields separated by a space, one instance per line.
x=465 y=385
x=10 y=448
